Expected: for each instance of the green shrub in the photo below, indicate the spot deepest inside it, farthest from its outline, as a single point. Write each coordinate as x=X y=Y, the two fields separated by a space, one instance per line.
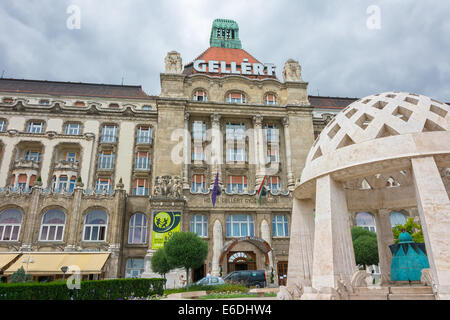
x=89 y=290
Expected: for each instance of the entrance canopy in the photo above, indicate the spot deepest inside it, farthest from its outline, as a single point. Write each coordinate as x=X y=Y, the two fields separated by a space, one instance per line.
x=257 y=242
x=51 y=263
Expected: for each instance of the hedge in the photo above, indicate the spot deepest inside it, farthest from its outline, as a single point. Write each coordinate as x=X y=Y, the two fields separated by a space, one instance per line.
x=89 y=290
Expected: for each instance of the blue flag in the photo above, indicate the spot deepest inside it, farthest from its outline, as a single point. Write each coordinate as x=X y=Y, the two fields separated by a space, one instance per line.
x=215 y=190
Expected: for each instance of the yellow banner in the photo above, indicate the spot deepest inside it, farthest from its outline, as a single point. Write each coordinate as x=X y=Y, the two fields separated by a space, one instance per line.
x=165 y=225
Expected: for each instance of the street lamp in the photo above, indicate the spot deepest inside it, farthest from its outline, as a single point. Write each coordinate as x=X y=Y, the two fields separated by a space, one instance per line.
x=64 y=270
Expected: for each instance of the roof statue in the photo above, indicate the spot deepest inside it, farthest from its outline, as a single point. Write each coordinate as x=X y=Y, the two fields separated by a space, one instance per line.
x=225 y=34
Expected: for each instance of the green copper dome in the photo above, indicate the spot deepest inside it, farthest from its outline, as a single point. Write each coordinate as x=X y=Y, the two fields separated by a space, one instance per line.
x=225 y=34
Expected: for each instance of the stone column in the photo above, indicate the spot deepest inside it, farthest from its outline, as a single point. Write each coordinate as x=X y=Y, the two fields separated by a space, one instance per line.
x=31 y=222
x=75 y=218
x=434 y=211
x=259 y=155
x=186 y=151
x=385 y=239
x=333 y=255
x=301 y=243
x=265 y=235
x=216 y=148
x=287 y=142
x=217 y=248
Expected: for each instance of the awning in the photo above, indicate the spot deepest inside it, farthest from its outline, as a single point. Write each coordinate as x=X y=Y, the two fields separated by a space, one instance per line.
x=51 y=263
x=6 y=258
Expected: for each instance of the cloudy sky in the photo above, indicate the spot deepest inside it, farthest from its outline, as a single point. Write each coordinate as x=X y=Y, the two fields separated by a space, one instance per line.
x=339 y=54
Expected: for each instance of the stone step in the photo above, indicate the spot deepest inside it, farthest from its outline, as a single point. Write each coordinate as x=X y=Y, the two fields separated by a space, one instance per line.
x=411 y=290
x=372 y=290
x=368 y=297
x=411 y=297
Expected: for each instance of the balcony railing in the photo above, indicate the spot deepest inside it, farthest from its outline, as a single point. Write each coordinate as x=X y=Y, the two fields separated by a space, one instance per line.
x=26 y=164
x=67 y=165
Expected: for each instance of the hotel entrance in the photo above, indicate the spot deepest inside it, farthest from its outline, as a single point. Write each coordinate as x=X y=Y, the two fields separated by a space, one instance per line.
x=241 y=260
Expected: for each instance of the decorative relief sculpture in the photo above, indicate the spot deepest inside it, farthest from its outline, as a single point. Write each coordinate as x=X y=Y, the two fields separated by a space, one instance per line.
x=173 y=62
x=168 y=187
x=292 y=71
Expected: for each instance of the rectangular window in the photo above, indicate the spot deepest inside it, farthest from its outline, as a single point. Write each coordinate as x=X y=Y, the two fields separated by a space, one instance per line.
x=109 y=134
x=237 y=184
x=103 y=184
x=71 y=156
x=73 y=129
x=144 y=135
x=62 y=184
x=198 y=183
x=236 y=97
x=142 y=161
x=273 y=155
x=274 y=183
x=2 y=125
x=141 y=187
x=35 y=127
x=198 y=154
x=240 y=226
x=199 y=130
x=272 y=133
x=106 y=160
x=33 y=156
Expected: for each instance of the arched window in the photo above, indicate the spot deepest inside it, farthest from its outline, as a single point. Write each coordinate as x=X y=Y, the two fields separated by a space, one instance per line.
x=366 y=220
x=200 y=95
x=137 y=233
x=397 y=218
x=199 y=225
x=270 y=99
x=52 y=226
x=280 y=226
x=10 y=223
x=240 y=226
x=236 y=97
x=134 y=268
x=95 y=225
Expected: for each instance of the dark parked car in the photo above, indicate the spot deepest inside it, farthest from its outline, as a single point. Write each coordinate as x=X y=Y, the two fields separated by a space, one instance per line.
x=208 y=281
x=249 y=278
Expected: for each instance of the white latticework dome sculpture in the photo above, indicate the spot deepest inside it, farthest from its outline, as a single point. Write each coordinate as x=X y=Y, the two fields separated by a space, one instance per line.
x=385 y=152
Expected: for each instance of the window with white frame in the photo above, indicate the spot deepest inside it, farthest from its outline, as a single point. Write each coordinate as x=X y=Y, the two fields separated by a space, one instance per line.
x=397 y=218
x=106 y=160
x=142 y=161
x=141 y=187
x=72 y=183
x=236 y=97
x=137 y=232
x=31 y=155
x=134 y=268
x=199 y=130
x=199 y=225
x=62 y=183
x=71 y=156
x=274 y=183
x=95 y=225
x=240 y=226
x=198 y=183
x=280 y=226
x=198 y=153
x=44 y=102
x=270 y=99
x=52 y=226
x=10 y=224
x=2 y=125
x=35 y=127
x=237 y=184
x=272 y=133
x=109 y=134
x=200 y=95
x=144 y=135
x=103 y=184
x=366 y=221
x=73 y=129
x=235 y=142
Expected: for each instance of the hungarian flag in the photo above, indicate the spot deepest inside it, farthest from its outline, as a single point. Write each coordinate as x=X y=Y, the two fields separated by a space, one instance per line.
x=216 y=190
x=262 y=190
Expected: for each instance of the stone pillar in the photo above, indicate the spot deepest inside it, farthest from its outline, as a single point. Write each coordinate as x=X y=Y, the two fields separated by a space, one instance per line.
x=301 y=243
x=217 y=248
x=385 y=238
x=265 y=235
x=333 y=255
x=259 y=156
x=32 y=220
x=216 y=148
x=287 y=143
x=434 y=211
x=186 y=151
x=7 y=154
x=75 y=218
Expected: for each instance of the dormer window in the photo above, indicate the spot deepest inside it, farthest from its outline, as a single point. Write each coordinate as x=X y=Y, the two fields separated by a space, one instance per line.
x=8 y=100
x=270 y=99
x=79 y=104
x=44 y=102
x=200 y=95
x=236 y=97
x=147 y=108
x=114 y=105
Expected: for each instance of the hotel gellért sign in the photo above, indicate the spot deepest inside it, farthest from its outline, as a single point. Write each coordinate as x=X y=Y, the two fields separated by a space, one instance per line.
x=247 y=68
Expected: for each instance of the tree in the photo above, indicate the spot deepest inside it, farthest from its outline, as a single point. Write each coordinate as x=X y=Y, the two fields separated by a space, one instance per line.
x=20 y=276
x=414 y=229
x=365 y=246
x=186 y=250
x=159 y=263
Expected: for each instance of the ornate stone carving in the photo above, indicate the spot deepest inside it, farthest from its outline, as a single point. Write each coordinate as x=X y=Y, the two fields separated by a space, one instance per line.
x=173 y=62
x=257 y=119
x=284 y=294
x=359 y=279
x=168 y=187
x=294 y=292
x=215 y=117
x=292 y=71
x=426 y=278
